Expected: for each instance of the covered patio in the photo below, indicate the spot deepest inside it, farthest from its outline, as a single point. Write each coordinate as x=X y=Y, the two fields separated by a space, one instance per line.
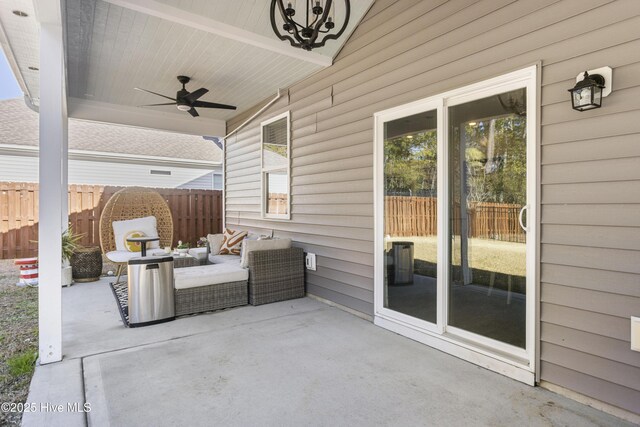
x=322 y=359
x=298 y=362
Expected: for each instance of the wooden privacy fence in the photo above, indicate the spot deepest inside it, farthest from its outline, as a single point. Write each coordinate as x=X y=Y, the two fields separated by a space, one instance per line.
x=196 y=213
x=278 y=203
x=417 y=216
x=410 y=216
x=498 y=221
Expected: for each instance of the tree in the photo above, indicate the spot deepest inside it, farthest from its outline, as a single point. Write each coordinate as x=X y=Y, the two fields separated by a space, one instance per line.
x=496 y=160
x=411 y=164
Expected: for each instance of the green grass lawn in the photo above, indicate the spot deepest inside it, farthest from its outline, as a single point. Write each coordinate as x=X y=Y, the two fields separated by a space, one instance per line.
x=18 y=339
x=485 y=254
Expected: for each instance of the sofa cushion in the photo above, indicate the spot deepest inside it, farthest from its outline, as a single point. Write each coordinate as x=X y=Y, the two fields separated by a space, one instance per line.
x=215 y=241
x=142 y=227
x=232 y=242
x=250 y=236
x=198 y=253
x=205 y=275
x=223 y=259
x=261 y=245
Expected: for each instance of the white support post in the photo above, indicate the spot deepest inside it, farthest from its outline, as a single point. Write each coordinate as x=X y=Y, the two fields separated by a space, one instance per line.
x=53 y=215
x=64 y=172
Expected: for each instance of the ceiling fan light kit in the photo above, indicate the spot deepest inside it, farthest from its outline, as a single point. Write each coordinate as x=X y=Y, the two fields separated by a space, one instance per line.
x=317 y=17
x=187 y=101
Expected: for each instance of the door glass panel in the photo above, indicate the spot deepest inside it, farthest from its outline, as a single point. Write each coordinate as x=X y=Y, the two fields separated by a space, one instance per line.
x=410 y=223
x=488 y=174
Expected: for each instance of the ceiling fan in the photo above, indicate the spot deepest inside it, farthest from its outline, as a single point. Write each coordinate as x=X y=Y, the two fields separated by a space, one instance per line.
x=187 y=101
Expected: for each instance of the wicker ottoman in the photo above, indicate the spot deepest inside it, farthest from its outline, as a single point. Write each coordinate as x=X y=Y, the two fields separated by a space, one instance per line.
x=210 y=287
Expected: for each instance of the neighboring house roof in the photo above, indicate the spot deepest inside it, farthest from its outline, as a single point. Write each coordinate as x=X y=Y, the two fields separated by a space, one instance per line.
x=19 y=126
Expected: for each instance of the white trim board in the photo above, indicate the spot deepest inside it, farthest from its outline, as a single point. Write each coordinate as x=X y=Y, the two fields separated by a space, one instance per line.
x=264 y=171
x=103 y=156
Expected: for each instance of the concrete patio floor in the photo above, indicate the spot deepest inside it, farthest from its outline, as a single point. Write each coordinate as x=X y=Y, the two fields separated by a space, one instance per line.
x=297 y=362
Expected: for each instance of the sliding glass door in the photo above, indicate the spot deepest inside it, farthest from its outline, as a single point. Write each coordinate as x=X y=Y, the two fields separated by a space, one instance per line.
x=488 y=192
x=455 y=220
x=410 y=236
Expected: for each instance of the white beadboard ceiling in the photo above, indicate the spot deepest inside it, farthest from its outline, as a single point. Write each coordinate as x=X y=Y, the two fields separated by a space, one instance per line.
x=113 y=46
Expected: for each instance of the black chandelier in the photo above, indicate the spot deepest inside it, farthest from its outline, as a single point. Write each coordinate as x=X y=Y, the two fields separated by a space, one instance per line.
x=319 y=21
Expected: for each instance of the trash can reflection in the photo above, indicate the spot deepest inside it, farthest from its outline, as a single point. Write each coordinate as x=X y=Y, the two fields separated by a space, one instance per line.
x=402 y=263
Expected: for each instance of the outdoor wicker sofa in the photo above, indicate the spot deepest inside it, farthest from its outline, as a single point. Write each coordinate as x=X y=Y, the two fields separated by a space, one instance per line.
x=272 y=275
x=276 y=275
x=210 y=298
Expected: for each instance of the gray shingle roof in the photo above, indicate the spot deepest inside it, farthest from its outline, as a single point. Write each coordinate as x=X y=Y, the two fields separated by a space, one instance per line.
x=19 y=126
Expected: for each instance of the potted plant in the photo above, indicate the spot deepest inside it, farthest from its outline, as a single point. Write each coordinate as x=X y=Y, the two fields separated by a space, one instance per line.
x=70 y=242
x=69 y=245
x=202 y=242
x=182 y=248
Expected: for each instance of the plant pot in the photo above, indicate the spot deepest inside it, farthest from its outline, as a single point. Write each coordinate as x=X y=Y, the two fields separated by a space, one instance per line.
x=183 y=252
x=67 y=276
x=87 y=264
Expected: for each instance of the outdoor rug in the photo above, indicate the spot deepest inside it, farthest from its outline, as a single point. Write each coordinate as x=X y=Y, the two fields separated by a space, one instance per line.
x=121 y=293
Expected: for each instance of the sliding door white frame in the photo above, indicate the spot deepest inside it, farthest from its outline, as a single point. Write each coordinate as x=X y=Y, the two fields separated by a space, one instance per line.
x=501 y=357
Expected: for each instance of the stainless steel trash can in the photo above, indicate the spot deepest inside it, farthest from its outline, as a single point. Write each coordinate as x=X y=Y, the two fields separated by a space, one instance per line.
x=151 y=294
x=402 y=263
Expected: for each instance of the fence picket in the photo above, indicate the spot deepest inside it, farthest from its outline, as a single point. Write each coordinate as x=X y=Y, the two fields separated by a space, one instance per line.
x=417 y=216
x=196 y=213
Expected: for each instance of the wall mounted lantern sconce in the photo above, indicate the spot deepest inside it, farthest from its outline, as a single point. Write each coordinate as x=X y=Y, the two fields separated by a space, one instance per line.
x=591 y=86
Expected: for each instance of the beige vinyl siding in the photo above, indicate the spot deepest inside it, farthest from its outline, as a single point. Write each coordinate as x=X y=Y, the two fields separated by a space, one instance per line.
x=589 y=168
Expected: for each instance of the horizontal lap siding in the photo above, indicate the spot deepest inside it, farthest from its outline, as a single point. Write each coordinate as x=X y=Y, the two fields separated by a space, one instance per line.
x=590 y=162
x=590 y=220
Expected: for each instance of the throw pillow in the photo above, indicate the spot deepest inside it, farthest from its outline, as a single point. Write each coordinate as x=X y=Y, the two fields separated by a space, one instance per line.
x=133 y=246
x=261 y=245
x=215 y=242
x=250 y=236
x=232 y=242
x=146 y=225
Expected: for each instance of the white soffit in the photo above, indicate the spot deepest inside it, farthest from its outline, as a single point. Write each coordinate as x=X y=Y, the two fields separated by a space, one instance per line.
x=113 y=46
x=253 y=15
x=19 y=38
x=111 y=50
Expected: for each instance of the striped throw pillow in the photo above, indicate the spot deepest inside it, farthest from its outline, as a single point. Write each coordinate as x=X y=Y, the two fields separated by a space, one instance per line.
x=232 y=242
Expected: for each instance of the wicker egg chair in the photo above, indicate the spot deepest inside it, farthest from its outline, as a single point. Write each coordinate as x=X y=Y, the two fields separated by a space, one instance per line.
x=131 y=203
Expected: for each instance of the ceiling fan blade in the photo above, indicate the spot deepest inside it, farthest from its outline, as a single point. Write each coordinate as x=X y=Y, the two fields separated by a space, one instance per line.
x=205 y=104
x=155 y=105
x=193 y=112
x=155 y=93
x=196 y=94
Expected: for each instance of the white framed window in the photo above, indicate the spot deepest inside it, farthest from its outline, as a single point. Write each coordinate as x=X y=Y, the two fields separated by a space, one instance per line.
x=275 y=161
